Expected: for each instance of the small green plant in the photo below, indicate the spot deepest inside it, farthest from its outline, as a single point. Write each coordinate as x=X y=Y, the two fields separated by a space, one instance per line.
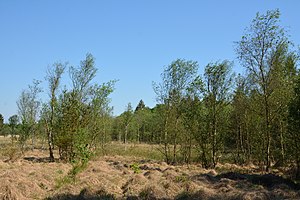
x=181 y=179
x=83 y=153
x=136 y=168
x=63 y=181
x=81 y=157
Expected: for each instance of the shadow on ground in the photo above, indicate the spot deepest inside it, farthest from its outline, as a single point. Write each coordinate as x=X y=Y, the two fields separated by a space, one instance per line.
x=226 y=186
x=84 y=195
x=99 y=195
x=268 y=181
x=39 y=160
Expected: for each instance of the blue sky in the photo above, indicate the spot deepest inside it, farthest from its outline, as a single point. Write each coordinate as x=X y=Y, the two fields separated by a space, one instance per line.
x=131 y=40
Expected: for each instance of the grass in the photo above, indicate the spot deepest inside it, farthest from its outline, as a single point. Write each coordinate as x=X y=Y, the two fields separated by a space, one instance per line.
x=4 y=140
x=140 y=175
x=65 y=180
x=181 y=179
x=59 y=171
x=143 y=151
x=71 y=177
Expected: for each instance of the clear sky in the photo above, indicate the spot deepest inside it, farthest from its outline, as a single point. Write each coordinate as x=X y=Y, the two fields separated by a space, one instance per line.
x=131 y=40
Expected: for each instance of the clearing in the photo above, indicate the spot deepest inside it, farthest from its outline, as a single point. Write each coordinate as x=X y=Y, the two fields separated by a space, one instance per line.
x=31 y=176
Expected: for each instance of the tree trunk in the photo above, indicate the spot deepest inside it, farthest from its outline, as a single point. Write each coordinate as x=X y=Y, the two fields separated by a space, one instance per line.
x=248 y=144
x=175 y=142
x=125 y=137
x=204 y=157
x=50 y=141
x=51 y=147
x=120 y=136
x=282 y=142
x=268 y=134
x=190 y=149
x=238 y=137
x=33 y=140
x=138 y=136
x=214 y=159
x=166 y=146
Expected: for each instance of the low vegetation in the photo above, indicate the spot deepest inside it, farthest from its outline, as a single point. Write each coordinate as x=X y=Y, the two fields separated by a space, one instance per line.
x=33 y=176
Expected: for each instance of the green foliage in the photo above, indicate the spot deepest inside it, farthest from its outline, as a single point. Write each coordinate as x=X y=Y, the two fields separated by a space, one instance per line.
x=25 y=131
x=135 y=167
x=48 y=115
x=82 y=153
x=81 y=116
x=140 y=106
x=6 y=130
x=29 y=108
x=79 y=162
x=294 y=126
x=12 y=123
x=264 y=52
x=175 y=85
x=218 y=81
x=126 y=119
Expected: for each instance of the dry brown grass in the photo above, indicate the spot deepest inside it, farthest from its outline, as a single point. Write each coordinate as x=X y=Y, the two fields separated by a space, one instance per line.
x=31 y=176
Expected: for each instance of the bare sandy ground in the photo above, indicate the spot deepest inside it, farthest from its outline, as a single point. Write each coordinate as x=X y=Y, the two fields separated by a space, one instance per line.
x=114 y=177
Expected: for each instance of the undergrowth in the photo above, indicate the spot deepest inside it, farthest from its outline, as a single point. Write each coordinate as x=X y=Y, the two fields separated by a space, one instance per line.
x=79 y=164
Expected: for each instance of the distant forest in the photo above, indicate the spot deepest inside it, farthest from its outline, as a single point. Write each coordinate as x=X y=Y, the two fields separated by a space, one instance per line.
x=218 y=116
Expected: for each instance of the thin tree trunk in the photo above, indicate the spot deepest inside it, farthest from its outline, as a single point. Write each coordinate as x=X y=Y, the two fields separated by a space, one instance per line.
x=33 y=140
x=120 y=136
x=190 y=149
x=214 y=147
x=50 y=138
x=138 y=136
x=175 y=142
x=248 y=144
x=268 y=134
x=50 y=144
x=204 y=158
x=125 y=137
x=238 y=143
x=282 y=142
x=166 y=146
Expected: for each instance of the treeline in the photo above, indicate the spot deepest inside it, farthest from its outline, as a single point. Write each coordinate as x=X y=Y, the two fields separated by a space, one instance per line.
x=254 y=117
x=250 y=118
